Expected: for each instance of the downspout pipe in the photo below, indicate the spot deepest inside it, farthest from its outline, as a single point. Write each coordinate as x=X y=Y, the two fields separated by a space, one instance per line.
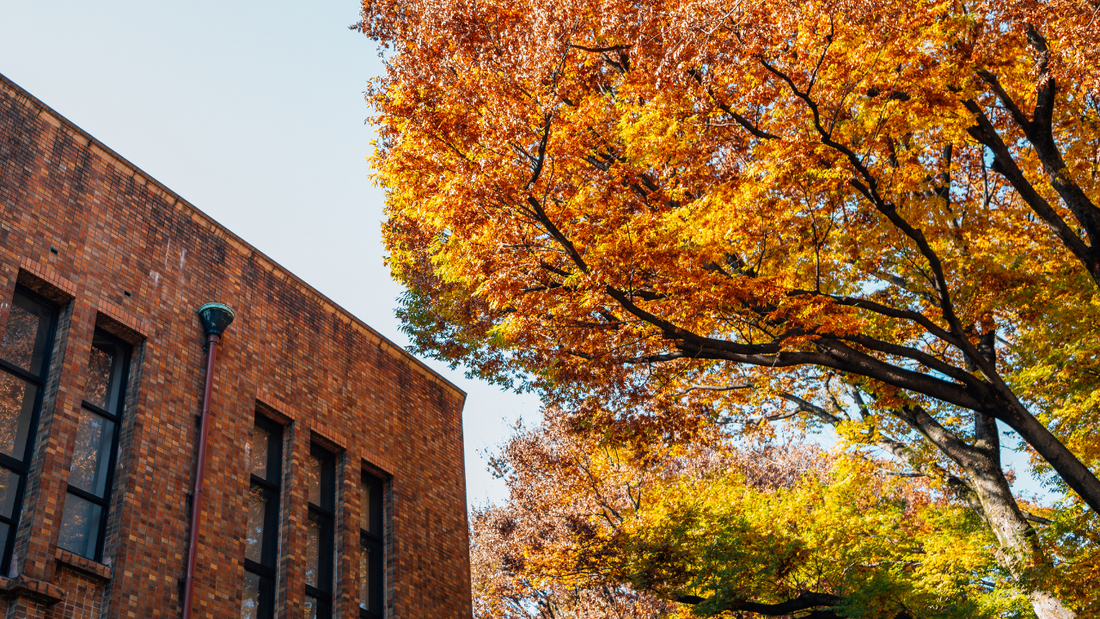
x=215 y=318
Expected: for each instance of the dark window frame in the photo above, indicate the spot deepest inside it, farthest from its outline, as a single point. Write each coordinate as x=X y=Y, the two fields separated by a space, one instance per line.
x=374 y=540
x=22 y=467
x=267 y=568
x=104 y=502
x=325 y=514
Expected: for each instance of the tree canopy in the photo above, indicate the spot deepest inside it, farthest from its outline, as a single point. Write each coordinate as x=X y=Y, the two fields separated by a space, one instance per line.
x=597 y=531
x=669 y=216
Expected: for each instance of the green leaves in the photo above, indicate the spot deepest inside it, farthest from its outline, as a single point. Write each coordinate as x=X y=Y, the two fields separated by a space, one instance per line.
x=750 y=529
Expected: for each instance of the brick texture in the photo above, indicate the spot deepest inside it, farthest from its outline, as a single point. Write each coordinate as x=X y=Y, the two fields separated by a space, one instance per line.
x=119 y=251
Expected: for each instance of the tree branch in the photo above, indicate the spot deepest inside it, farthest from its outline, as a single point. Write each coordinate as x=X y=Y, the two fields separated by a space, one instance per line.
x=539 y=161
x=868 y=187
x=885 y=310
x=600 y=50
x=739 y=119
x=1039 y=132
x=804 y=601
x=919 y=356
x=1005 y=165
x=558 y=235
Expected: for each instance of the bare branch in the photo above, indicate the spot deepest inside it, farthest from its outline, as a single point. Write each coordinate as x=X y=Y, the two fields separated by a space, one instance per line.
x=600 y=50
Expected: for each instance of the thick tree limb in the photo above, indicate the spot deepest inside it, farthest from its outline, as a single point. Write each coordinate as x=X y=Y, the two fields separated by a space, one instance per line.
x=804 y=601
x=556 y=232
x=540 y=160
x=901 y=451
x=1039 y=132
x=1036 y=519
x=884 y=310
x=1076 y=475
x=600 y=50
x=919 y=356
x=1005 y=165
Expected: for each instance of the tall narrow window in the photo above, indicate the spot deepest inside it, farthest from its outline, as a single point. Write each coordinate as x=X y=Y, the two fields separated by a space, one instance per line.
x=371 y=599
x=265 y=458
x=24 y=361
x=84 y=521
x=321 y=483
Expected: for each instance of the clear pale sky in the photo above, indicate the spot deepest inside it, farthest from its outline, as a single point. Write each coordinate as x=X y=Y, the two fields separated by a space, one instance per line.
x=253 y=112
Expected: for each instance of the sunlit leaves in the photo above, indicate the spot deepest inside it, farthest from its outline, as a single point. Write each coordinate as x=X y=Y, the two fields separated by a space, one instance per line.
x=723 y=528
x=679 y=215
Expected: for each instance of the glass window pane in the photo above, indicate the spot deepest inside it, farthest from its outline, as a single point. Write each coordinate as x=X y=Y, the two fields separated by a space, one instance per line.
x=16 y=408
x=250 y=602
x=364 y=506
x=310 y=609
x=313 y=550
x=80 y=526
x=376 y=572
x=4 y=531
x=364 y=577
x=370 y=515
x=91 y=453
x=313 y=479
x=104 y=373
x=257 y=509
x=25 y=334
x=257 y=453
x=9 y=487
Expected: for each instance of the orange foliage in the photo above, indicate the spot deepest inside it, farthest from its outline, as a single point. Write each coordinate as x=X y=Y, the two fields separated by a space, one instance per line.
x=695 y=211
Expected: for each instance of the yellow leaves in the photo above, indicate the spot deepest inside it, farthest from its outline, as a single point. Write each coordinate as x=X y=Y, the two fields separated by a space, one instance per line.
x=730 y=171
x=717 y=535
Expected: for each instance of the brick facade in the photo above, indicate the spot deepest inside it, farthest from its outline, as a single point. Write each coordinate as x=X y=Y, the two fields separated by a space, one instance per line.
x=118 y=251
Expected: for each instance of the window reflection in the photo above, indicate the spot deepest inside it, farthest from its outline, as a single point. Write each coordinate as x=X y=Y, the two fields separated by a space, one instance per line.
x=29 y=324
x=95 y=447
x=313 y=550
x=264 y=463
x=313 y=479
x=371 y=593
x=99 y=377
x=250 y=602
x=257 y=453
x=9 y=483
x=25 y=347
x=17 y=402
x=90 y=453
x=80 y=526
x=254 y=534
x=104 y=374
x=364 y=578
x=320 y=541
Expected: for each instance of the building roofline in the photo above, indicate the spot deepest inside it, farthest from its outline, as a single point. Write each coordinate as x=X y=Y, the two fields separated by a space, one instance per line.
x=110 y=156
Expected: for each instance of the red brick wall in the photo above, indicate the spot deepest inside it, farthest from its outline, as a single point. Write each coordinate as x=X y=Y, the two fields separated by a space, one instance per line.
x=329 y=377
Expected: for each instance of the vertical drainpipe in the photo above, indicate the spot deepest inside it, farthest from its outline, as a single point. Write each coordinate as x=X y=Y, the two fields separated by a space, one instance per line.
x=215 y=318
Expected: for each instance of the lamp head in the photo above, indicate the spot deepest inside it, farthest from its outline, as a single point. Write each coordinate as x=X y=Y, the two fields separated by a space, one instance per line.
x=216 y=318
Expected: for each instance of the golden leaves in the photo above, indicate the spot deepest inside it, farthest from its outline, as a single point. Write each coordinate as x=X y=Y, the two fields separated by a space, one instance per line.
x=618 y=203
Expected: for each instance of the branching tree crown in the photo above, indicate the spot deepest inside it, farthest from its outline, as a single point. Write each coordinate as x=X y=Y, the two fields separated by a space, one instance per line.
x=880 y=217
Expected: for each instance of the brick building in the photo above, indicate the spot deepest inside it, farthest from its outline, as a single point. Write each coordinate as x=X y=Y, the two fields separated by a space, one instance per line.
x=334 y=482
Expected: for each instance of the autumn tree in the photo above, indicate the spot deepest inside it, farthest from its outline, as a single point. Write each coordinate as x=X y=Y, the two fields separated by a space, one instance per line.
x=506 y=587
x=878 y=217
x=768 y=527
